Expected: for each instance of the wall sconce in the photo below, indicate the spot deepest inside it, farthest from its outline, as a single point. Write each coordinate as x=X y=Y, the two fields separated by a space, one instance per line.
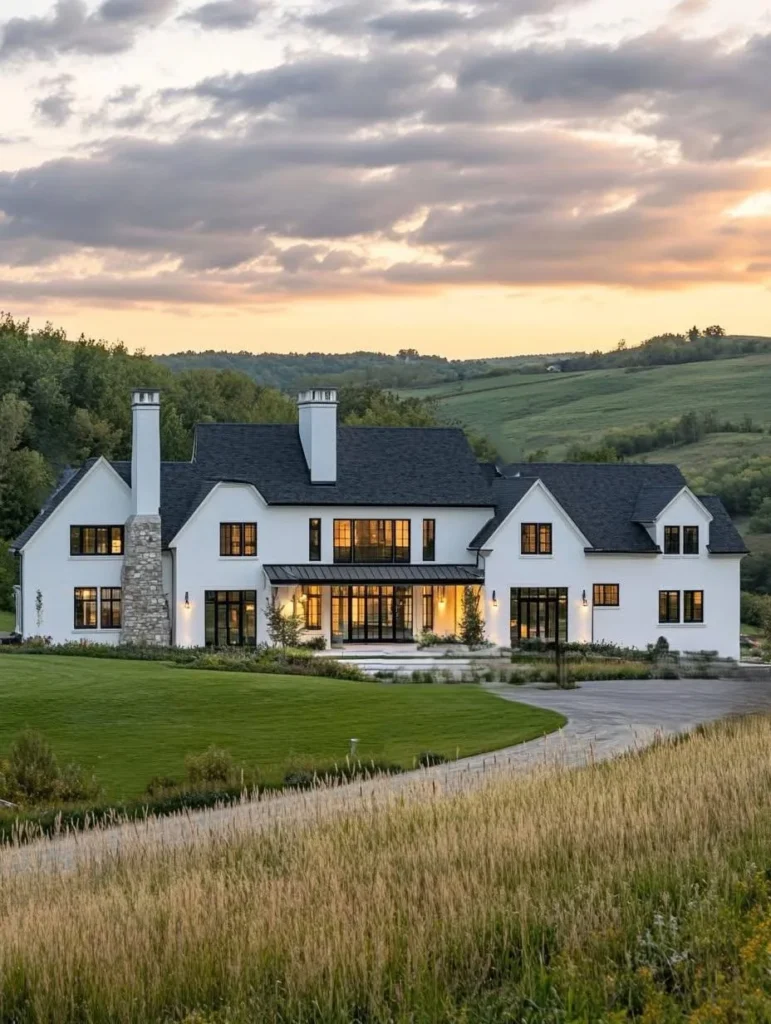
x=495 y=600
x=442 y=597
x=187 y=599
x=584 y=601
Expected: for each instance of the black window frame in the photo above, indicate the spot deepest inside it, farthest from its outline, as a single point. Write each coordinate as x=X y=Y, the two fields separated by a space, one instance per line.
x=690 y=540
x=314 y=540
x=79 y=606
x=667 y=618
x=689 y=613
x=230 y=532
x=347 y=547
x=540 y=545
x=110 y=533
x=530 y=608
x=311 y=603
x=602 y=589
x=429 y=540
x=110 y=608
x=427 y=604
x=670 y=533
x=214 y=600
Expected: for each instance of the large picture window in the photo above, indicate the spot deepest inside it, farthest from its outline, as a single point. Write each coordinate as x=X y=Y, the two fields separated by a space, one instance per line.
x=671 y=540
x=111 y=607
x=311 y=602
x=539 y=613
x=429 y=540
x=606 y=595
x=536 y=539
x=669 y=606
x=85 y=607
x=238 y=539
x=314 y=540
x=371 y=540
x=693 y=606
x=96 y=540
x=231 y=618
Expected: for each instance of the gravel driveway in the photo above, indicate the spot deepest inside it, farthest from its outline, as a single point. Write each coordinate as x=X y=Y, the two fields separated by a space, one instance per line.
x=604 y=719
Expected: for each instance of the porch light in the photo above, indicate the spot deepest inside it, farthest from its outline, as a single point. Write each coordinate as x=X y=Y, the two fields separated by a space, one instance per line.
x=495 y=600
x=584 y=601
x=187 y=599
x=442 y=597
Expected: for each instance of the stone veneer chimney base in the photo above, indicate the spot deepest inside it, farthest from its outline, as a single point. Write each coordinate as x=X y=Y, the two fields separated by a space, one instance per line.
x=145 y=609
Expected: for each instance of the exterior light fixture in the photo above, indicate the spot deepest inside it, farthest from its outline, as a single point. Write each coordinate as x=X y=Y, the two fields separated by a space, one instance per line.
x=187 y=599
x=495 y=600
x=583 y=599
x=442 y=597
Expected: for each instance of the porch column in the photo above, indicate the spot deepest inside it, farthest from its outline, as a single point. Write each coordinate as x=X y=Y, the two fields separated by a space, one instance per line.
x=18 y=627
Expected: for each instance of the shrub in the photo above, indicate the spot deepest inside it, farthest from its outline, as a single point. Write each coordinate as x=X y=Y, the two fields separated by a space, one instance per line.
x=316 y=643
x=472 y=625
x=428 y=759
x=32 y=770
x=212 y=766
x=308 y=777
x=74 y=785
x=429 y=639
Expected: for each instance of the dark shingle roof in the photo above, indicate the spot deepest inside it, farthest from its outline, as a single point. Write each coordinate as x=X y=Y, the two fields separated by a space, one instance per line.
x=448 y=574
x=506 y=494
x=652 y=500
x=724 y=538
x=375 y=465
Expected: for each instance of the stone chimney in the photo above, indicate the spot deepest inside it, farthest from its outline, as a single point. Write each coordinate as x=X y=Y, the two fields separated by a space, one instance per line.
x=318 y=433
x=145 y=609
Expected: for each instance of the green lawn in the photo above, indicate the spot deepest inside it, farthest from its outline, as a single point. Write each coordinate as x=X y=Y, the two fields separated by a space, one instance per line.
x=522 y=413
x=127 y=721
x=7 y=621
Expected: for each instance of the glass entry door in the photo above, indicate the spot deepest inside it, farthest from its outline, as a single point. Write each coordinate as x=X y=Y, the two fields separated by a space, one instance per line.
x=372 y=613
x=539 y=613
x=231 y=618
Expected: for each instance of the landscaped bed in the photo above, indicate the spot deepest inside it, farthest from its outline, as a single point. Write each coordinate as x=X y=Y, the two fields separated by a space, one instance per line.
x=127 y=721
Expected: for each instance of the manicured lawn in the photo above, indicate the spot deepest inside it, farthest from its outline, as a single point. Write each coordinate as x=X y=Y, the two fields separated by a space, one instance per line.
x=127 y=721
x=7 y=622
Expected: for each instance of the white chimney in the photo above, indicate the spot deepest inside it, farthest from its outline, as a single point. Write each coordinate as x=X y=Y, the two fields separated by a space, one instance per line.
x=318 y=433
x=145 y=452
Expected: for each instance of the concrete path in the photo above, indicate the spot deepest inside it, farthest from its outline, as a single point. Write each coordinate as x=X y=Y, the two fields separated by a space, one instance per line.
x=604 y=719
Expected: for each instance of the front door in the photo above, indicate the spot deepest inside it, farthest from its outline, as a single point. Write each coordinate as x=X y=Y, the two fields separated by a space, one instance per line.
x=539 y=613
x=231 y=618
x=365 y=614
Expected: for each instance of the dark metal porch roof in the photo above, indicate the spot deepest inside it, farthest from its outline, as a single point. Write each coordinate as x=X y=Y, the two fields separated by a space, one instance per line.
x=288 y=575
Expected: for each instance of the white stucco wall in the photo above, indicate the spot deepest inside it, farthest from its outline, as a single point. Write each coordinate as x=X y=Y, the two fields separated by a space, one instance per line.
x=640 y=577
x=100 y=498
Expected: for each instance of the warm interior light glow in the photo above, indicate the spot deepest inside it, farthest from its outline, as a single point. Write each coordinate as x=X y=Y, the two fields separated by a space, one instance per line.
x=187 y=599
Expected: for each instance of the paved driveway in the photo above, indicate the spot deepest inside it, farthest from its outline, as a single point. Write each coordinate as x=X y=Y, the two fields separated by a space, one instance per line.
x=604 y=719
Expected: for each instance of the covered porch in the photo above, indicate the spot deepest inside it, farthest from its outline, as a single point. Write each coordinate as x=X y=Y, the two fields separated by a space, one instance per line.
x=374 y=604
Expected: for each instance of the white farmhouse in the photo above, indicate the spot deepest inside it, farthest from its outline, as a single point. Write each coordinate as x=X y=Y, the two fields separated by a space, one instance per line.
x=371 y=534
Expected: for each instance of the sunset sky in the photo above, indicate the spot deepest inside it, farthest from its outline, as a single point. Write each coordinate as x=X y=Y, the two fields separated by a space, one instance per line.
x=469 y=177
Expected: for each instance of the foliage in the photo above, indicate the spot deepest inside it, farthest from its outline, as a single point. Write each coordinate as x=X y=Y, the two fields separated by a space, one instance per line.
x=429 y=639
x=755 y=608
x=31 y=774
x=315 y=643
x=214 y=765
x=472 y=624
x=284 y=629
x=8 y=577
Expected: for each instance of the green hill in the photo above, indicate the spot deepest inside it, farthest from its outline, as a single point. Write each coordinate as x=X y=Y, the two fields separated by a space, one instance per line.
x=525 y=413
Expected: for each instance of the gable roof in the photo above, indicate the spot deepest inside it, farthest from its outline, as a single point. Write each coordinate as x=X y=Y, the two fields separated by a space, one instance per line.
x=724 y=538
x=375 y=465
x=652 y=500
x=507 y=495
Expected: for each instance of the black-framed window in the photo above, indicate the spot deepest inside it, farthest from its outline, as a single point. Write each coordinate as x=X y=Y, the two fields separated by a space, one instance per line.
x=314 y=540
x=606 y=595
x=536 y=539
x=367 y=613
x=85 y=599
x=96 y=540
x=538 y=613
x=429 y=540
x=690 y=540
x=669 y=606
x=238 y=539
x=693 y=606
x=311 y=602
x=371 y=540
x=231 y=618
x=671 y=540
x=111 y=602
x=428 y=608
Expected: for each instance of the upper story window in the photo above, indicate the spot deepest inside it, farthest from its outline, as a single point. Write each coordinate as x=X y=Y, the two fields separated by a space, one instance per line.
x=536 y=539
x=690 y=540
x=96 y=540
x=372 y=540
x=669 y=606
x=429 y=540
x=671 y=540
x=238 y=539
x=606 y=595
x=314 y=540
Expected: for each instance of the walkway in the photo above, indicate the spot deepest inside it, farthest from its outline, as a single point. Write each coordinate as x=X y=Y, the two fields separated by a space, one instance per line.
x=604 y=719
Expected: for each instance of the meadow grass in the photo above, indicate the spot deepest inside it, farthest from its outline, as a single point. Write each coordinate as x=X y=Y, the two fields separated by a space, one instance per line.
x=631 y=891
x=522 y=413
x=127 y=721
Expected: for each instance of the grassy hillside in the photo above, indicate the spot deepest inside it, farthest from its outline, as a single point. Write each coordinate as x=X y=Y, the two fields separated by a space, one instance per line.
x=695 y=460
x=521 y=414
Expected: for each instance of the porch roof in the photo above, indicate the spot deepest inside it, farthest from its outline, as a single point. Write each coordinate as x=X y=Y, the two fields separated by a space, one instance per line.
x=288 y=575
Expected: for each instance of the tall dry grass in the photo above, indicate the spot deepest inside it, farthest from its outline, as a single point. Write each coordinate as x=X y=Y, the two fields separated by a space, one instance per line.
x=573 y=895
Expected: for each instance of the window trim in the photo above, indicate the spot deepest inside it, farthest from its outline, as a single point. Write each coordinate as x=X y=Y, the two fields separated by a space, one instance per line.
x=673 y=531
x=83 y=601
x=605 y=603
x=691 y=620
x=670 y=621
x=109 y=604
x=539 y=548
x=110 y=527
x=314 y=539
x=686 y=532
x=429 y=540
x=227 y=531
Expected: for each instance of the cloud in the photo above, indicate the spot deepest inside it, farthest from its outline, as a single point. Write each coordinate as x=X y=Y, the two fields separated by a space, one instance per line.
x=230 y=15
x=70 y=28
x=56 y=107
